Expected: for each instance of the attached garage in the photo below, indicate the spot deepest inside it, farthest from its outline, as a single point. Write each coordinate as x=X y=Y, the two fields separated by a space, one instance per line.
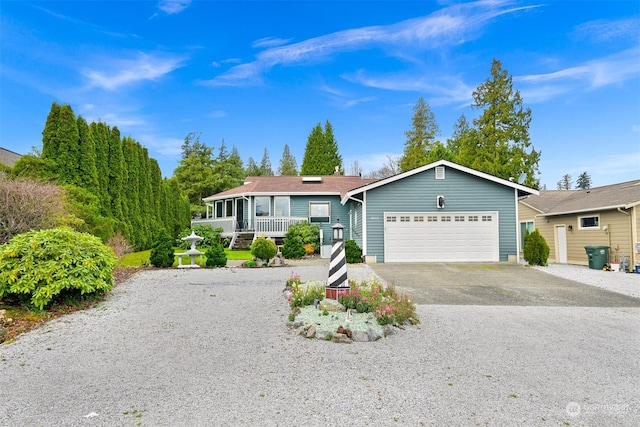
x=439 y=237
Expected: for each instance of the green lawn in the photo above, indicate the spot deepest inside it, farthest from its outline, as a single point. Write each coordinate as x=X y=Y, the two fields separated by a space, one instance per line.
x=138 y=259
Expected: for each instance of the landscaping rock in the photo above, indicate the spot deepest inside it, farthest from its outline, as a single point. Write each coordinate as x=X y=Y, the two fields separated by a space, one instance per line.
x=341 y=339
x=373 y=335
x=388 y=330
x=330 y=305
x=311 y=332
x=360 y=336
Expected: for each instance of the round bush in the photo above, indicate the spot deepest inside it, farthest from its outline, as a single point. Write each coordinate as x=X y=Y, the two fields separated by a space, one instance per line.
x=216 y=257
x=292 y=248
x=42 y=265
x=308 y=233
x=264 y=249
x=353 y=252
x=162 y=254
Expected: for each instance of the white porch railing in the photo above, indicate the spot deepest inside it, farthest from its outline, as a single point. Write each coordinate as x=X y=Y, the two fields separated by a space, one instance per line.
x=275 y=226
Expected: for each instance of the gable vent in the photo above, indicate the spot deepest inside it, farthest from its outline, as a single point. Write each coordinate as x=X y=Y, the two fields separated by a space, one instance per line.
x=439 y=172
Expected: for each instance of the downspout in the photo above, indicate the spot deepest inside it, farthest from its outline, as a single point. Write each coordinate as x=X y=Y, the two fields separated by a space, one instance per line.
x=632 y=257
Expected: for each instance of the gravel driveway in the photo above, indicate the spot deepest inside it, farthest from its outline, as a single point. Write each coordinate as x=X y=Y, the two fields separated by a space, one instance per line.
x=210 y=347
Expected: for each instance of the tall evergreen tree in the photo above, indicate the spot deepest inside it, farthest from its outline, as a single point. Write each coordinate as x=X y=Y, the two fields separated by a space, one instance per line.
x=100 y=134
x=49 y=143
x=421 y=146
x=195 y=174
x=116 y=174
x=288 y=164
x=252 y=168
x=66 y=139
x=265 y=164
x=321 y=156
x=584 y=181
x=501 y=145
x=565 y=182
x=228 y=168
x=87 y=170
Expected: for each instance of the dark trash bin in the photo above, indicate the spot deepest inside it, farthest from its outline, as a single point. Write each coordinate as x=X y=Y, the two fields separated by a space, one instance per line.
x=598 y=256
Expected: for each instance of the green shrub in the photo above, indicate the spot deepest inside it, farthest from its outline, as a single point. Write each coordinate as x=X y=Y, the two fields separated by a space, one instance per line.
x=536 y=249
x=308 y=233
x=305 y=294
x=162 y=254
x=292 y=248
x=210 y=236
x=264 y=249
x=352 y=252
x=216 y=257
x=44 y=265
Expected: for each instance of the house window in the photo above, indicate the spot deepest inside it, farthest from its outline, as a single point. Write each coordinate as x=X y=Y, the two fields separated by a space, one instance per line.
x=405 y=219
x=432 y=218
x=219 y=209
x=319 y=211
x=281 y=205
x=589 y=221
x=229 y=207
x=473 y=218
x=262 y=206
x=391 y=219
x=445 y=219
x=486 y=218
x=418 y=218
x=459 y=218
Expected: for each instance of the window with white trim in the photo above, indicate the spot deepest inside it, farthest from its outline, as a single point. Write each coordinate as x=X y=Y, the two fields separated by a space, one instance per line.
x=229 y=208
x=473 y=218
x=592 y=221
x=445 y=219
x=319 y=211
x=486 y=218
x=262 y=206
x=219 y=209
x=439 y=172
x=431 y=218
x=459 y=218
x=418 y=218
x=391 y=219
x=281 y=205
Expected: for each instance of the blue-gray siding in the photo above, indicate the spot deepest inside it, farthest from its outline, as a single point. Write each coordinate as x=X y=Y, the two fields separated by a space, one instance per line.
x=462 y=192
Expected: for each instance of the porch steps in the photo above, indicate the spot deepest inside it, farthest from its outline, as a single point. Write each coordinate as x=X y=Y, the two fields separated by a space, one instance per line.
x=243 y=240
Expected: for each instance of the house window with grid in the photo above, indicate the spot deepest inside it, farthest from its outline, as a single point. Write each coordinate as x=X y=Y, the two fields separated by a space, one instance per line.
x=319 y=211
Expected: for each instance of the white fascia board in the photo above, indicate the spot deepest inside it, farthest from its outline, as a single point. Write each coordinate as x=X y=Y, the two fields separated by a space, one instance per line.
x=595 y=209
x=436 y=164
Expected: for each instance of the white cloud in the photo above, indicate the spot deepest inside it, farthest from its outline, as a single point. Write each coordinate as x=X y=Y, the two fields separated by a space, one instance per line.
x=172 y=7
x=446 y=27
x=612 y=69
x=124 y=72
x=267 y=42
x=606 y=31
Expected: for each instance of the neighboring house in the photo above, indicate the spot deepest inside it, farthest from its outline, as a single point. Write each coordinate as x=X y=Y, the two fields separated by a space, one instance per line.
x=8 y=157
x=569 y=220
x=441 y=212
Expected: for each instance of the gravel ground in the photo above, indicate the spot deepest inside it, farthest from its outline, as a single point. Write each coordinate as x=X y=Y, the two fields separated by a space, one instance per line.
x=210 y=347
x=623 y=283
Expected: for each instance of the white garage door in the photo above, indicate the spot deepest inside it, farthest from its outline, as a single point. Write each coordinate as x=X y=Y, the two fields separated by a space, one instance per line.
x=435 y=237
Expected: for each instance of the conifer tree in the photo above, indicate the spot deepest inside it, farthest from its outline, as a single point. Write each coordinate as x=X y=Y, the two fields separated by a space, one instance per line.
x=321 y=156
x=195 y=174
x=116 y=174
x=100 y=133
x=49 y=143
x=252 y=168
x=265 y=164
x=66 y=140
x=228 y=168
x=87 y=171
x=584 y=181
x=421 y=146
x=501 y=145
x=288 y=164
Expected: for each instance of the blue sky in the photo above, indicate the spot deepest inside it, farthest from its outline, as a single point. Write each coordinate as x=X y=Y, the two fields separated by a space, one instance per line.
x=262 y=74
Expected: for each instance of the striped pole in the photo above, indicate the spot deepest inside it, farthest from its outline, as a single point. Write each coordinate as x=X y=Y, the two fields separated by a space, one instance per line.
x=337 y=283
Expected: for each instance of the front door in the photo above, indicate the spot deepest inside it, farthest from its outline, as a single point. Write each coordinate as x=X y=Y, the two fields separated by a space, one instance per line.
x=240 y=214
x=561 y=232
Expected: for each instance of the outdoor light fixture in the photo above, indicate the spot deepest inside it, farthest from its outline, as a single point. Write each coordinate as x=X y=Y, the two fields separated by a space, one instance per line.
x=338 y=231
x=440 y=202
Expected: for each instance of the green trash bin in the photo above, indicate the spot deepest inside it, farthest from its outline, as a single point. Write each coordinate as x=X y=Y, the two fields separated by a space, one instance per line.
x=598 y=256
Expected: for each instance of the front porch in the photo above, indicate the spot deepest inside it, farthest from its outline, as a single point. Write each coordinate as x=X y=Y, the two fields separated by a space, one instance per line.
x=264 y=226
